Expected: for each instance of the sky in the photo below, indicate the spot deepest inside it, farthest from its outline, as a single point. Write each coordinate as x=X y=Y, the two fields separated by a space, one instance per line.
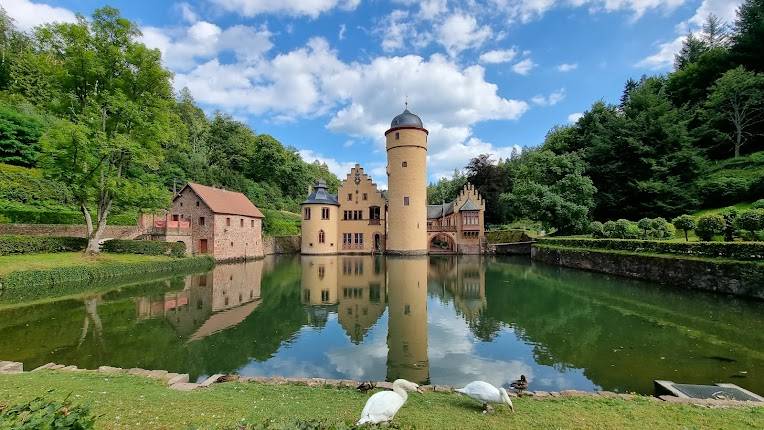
x=327 y=76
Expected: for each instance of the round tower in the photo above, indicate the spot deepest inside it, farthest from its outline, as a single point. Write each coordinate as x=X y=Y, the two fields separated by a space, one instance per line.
x=320 y=221
x=406 y=143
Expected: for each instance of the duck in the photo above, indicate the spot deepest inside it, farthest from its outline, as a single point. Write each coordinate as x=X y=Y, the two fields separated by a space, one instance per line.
x=366 y=386
x=520 y=385
x=484 y=392
x=382 y=406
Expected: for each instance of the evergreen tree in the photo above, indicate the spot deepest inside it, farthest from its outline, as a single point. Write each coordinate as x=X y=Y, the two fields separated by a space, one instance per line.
x=748 y=35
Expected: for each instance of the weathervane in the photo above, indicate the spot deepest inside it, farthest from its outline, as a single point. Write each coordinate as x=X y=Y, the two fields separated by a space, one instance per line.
x=406 y=103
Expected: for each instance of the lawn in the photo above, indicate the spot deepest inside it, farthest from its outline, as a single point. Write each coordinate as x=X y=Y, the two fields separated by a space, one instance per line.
x=739 y=207
x=124 y=401
x=23 y=262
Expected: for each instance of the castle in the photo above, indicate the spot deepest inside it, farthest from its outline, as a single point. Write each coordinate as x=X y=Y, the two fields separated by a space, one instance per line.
x=362 y=219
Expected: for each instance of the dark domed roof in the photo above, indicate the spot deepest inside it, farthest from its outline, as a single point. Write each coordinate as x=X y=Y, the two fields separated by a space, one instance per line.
x=321 y=196
x=406 y=119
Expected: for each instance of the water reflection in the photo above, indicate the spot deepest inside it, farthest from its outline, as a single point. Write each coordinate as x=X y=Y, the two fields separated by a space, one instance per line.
x=442 y=319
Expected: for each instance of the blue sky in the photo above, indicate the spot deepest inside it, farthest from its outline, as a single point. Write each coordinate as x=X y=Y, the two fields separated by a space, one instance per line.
x=327 y=76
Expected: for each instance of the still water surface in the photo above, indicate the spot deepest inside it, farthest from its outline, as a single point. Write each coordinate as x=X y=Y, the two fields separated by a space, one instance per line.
x=440 y=320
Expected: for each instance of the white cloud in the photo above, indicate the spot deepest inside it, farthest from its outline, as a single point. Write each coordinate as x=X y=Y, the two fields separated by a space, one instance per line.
x=663 y=58
x=339 y=168
x=341 y=34
x=528 y=10
x=311 y=8
x=523 y=67
x=575 y=116
x=28 y=15
x=459 y=32
x=187 y=12
x=567 y=67
x=550 y=100
x=498 y=56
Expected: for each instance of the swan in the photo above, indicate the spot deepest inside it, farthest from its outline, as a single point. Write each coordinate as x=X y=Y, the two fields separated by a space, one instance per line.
x=486 y=393
x=382 y=406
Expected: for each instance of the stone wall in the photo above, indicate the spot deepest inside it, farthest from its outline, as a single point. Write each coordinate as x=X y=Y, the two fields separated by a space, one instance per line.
x=741 y=278
x=70 y=230
x=281 y=244
x=517 y=248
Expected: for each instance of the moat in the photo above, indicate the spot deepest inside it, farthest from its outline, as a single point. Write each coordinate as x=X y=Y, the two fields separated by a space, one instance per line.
x=440 y=320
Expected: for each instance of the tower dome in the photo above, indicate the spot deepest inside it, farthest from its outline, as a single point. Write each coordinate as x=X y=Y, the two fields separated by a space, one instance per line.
x=406 y=119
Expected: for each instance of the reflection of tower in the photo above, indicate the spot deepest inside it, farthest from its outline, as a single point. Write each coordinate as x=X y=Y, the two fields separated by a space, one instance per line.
x=407 y=325
x=407 y=185
x=361 y=293
x=319 y=286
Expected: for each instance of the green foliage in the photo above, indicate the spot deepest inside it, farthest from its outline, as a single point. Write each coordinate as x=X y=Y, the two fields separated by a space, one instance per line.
x=732 y=250
x=646 y=228
x=281 y=223
x=58 y=281
x=145 y=247
x=19 y=136
x=46 y=414
x=709 y=226
x=748 y=37
x=758 y=204
x=552 y=189
x=29 y=244
x=446 y=189
x=53 y=214
x=300 y=424
x=597 y=229
x=24 y=185
x=507 y=236
x=751 y=221
x=684 y=223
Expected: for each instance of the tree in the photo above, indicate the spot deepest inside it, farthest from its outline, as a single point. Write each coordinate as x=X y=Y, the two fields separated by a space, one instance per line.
x=715 y=33
x=552 y=189
x=692 y=49
x=709 y=226
x=446 y=189
x=645 y=224
x=19 y=136
x=751 y=220
x=485 y=175
x=116 y=98
x=684 y=223
x=737 y=98
x=748 y=35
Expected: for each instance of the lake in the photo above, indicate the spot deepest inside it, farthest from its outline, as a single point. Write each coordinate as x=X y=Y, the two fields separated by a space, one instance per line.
x=439 y=320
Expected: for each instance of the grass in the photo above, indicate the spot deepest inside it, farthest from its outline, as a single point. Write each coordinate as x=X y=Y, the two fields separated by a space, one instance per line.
x=124 y=401
x=740 y=207
x=24 y=262
x=715 y=260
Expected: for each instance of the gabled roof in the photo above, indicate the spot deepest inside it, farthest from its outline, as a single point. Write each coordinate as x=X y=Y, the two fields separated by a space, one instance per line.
x=223 y=201
x=438 y=211
x=469 y=206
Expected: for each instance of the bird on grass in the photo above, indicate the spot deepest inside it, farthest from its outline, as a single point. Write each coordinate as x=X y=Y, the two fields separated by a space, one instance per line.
x=366 y=386
x=382 y=406
x=486 y=393
x=520 y=385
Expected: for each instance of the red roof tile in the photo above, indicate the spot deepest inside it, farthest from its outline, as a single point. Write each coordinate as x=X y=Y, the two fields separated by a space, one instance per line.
x=225 y=202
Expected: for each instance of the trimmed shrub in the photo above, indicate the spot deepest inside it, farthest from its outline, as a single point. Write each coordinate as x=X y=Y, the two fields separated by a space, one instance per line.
x=597 y=229
x=645 y=224
x=46 y=414
x=10 y=245
x=732 y=250
x=660 y=229
x=34 y=284
x=24 y=214
x=751 y=220
x=507 y=236
x=758 y=204
x=145 y=247
x=709 y=226
x=684 y=223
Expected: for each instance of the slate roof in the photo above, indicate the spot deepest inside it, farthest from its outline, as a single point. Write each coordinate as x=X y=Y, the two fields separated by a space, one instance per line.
x=438 y=211
x=406 y=119
x=469 y=206
x=320 y=196
x=222 y=201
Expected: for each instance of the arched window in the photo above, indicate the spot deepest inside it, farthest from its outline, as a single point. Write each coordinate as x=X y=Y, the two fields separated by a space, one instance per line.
x=321 y=236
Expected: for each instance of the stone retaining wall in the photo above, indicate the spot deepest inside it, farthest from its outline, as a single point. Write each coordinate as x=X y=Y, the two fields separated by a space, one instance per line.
x=69 y=230
x=741 y=278
x=180 y=382
x=281 y=245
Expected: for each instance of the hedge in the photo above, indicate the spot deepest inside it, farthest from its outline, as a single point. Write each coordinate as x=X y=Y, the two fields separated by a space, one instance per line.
x=34 y=284
x=731 y=250
x=52 y=216
x=10 y=245
x=145 y=247
x=507 y=236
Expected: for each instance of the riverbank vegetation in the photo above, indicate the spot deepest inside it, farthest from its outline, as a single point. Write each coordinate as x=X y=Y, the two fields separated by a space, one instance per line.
x=673 y=144
x=126 y=401
x=89 y=114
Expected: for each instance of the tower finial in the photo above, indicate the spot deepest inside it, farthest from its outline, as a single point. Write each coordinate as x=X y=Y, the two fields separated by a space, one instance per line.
x=406 y=103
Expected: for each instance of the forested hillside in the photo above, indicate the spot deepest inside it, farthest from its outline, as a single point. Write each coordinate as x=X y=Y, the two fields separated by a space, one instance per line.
x=675 y=143
x=92 y=112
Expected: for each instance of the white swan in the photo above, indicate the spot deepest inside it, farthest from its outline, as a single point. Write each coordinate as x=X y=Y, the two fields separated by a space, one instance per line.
x=486 y=393
x=382 y=406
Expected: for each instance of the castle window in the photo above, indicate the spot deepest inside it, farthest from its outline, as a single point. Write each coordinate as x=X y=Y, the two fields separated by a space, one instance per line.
x=365 y=196
x=241 y=222
x=405 y=164
x=321 y=272
x=350 y=197
x=405 y=200
x=324 y=296
x=307 y=213
x=321 y=236
x=397 y=136
x=231 y=244
x=253 y=223
x=228 y=222
x=201 y=220
x=197 y=203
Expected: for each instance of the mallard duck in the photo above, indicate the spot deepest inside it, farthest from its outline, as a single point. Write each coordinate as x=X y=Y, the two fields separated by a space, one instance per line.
x=382 y=406
x=366 y=386
x=520 y=385
x=486 y=393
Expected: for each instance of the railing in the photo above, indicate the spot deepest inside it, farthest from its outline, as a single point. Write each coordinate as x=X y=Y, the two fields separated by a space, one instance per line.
x=471 y=227
x=441 y=228
x=164 y=227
